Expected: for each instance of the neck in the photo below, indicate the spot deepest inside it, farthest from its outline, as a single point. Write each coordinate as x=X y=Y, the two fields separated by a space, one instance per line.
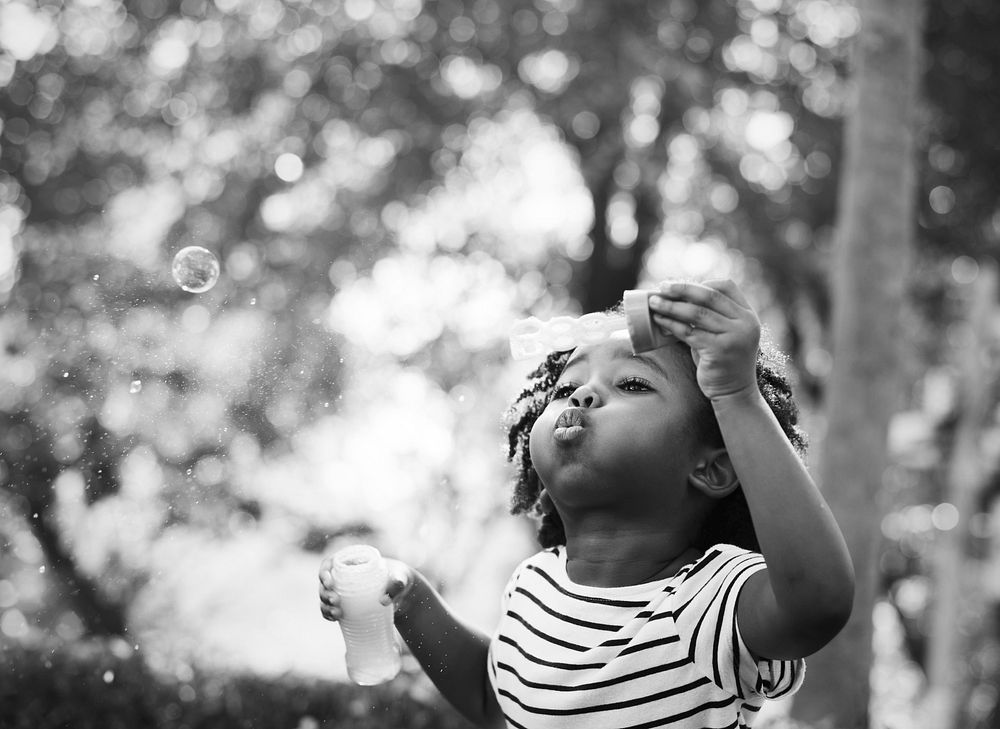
x=621 y=557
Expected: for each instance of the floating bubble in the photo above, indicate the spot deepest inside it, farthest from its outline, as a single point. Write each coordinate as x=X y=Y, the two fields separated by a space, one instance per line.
x=135 y=387
x=195 y=269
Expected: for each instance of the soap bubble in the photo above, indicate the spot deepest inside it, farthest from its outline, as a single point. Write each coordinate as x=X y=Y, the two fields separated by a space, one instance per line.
x=195 y=269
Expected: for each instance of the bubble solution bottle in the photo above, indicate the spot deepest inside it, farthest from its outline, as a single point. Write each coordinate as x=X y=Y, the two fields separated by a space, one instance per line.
x=532 y=337
x=360 y=575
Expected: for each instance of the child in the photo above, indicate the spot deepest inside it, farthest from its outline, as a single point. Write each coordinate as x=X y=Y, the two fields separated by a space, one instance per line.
x=658 y=477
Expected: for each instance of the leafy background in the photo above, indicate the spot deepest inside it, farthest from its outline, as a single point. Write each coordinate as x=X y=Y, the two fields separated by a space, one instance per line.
x=388 y=185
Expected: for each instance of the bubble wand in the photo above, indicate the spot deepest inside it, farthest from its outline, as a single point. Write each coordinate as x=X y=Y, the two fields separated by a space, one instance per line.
x=533 y=337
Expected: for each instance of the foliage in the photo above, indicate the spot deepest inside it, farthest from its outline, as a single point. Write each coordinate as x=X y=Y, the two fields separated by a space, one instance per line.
x=101 y=684
x=387 y=184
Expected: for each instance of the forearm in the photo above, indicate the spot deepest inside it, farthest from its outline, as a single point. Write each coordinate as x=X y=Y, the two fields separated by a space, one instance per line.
x=808 y=562
x=453 y=654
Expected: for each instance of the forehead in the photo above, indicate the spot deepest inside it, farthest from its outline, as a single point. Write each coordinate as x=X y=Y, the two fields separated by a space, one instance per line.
x=670 y=359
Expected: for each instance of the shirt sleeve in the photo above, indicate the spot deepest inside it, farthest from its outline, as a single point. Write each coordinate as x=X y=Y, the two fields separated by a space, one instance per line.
x=508 y=590
x=705 y=615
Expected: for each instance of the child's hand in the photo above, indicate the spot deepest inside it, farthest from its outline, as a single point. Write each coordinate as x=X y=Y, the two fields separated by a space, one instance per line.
x=715 y=319
x=399 y=584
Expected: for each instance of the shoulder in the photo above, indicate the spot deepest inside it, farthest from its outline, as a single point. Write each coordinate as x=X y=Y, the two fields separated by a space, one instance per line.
x=721 y=559
x=545 y=561
x=541 y=559
x=722 y=568
x=706 y=614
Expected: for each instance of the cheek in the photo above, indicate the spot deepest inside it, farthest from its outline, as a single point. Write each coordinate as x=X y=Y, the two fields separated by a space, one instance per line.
x=538 y=444
x=535 y=439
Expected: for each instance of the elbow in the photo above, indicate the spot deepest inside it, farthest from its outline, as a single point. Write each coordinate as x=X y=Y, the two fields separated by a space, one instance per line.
x=834 y=618
x=831 y=611
x=842 y=599
x=809 y=633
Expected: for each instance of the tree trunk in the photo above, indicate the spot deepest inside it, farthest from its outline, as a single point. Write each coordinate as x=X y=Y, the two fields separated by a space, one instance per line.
x=613 y=270
x=27 y=501
x=955 y=594
x=875 y=228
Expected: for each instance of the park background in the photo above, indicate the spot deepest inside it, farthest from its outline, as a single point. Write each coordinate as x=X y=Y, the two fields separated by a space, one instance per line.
x=388 y=184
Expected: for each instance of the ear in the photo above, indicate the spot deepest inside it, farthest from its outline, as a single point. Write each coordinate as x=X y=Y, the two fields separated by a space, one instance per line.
x=714 y=475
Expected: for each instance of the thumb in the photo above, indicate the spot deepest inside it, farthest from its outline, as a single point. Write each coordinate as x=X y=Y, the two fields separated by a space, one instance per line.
x=399 y=583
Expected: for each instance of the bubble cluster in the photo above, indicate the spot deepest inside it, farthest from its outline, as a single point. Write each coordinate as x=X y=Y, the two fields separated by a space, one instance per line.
x=195 y=269
x=531 y=337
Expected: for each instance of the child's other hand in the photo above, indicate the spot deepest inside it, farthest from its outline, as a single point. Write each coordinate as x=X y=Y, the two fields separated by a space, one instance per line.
x=715 y=319
x=398 y=586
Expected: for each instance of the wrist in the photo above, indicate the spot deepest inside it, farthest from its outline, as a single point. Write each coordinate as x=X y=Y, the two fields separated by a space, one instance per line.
x=746 y=397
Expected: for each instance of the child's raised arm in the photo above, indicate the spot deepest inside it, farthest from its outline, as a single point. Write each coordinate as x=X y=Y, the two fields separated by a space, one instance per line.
x=804 y=597
x=452 y=654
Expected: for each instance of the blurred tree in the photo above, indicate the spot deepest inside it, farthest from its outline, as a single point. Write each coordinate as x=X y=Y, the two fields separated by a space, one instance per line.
x=875 y=232
x=957 y=591
x=383 y=182
x=291 y=141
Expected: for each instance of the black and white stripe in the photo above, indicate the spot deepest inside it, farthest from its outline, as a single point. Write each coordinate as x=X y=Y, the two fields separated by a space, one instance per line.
x=667 y=653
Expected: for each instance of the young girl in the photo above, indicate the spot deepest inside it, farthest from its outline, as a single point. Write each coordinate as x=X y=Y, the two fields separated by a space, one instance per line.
x=690 y=560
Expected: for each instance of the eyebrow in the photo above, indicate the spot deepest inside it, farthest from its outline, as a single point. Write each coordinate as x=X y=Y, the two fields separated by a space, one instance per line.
x=654 y=363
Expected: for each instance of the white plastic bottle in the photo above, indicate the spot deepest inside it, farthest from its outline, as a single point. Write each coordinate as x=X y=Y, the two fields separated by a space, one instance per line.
x=360 y=575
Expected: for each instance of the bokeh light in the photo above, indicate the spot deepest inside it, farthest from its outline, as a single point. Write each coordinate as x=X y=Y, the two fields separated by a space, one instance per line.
x=377 y=188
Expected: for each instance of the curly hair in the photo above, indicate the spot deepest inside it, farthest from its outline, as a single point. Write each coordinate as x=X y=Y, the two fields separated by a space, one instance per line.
x=729 y=522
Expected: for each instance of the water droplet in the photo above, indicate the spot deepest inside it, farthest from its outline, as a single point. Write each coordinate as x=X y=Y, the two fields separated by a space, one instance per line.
x=135 y=387
x=109 y=676
x=195 y=269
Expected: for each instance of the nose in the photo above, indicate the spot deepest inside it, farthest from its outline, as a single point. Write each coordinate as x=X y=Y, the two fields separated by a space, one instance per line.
x=584 y=397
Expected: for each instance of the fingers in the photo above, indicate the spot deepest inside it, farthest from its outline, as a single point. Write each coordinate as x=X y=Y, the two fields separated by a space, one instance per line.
x=715 y=306
x=729 y=288
x=680 y=317
x=722 y=298
x=329 y=600
x=397 y=586
x=329 y=604
x=679 y=329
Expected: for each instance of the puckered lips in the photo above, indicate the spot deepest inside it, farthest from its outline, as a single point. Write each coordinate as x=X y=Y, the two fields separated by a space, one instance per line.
x=569 y=425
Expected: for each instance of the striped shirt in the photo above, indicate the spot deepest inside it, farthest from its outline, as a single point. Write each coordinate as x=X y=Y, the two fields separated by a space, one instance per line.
x=664 y=653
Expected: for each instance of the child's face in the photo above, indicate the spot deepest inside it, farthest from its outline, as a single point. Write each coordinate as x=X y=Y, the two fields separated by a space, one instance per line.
x=621 y=430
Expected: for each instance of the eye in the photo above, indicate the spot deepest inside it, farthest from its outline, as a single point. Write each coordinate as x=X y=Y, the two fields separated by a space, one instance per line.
x=563 y=390
x=635 y=384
